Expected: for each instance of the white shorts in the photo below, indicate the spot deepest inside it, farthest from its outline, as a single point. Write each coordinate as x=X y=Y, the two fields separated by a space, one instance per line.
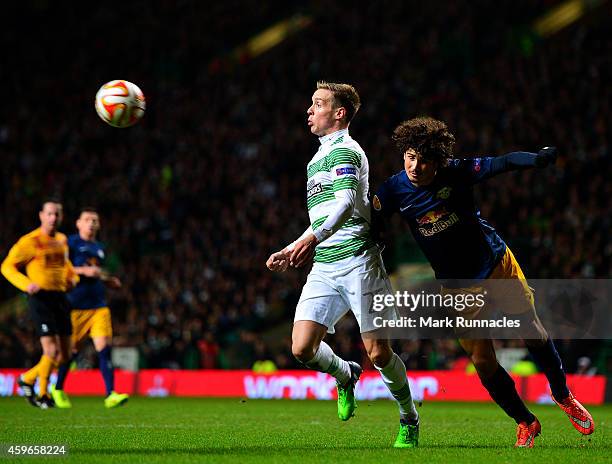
x=329 y=294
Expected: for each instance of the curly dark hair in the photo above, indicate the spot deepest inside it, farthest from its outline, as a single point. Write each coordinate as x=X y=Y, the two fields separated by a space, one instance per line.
x=429 y=137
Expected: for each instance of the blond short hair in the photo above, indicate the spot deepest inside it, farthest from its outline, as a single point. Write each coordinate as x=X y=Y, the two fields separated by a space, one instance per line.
x=345 y=96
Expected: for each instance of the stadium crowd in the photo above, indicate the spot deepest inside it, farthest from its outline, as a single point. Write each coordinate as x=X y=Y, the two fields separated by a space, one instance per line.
x=196 y=196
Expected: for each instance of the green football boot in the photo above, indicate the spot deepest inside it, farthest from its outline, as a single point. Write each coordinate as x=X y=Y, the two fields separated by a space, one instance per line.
x=346 y=393
x=115 y=399
x=408 y=436
x=60 y=398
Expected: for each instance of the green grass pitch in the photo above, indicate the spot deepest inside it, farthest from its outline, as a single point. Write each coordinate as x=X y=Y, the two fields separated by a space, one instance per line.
x=182 y=430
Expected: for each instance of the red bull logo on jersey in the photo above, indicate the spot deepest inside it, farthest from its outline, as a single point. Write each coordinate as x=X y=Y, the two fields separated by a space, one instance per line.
x=435 y=221
x=433 y=216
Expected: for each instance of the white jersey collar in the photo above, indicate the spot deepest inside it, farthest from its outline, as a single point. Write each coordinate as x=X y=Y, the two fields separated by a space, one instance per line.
x=333 y=136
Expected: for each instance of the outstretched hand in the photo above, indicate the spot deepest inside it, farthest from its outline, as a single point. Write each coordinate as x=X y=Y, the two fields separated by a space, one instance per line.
x=278 y=262
x=546 y=157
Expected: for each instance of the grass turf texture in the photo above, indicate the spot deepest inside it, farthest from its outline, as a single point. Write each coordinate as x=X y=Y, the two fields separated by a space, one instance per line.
x=182 y=430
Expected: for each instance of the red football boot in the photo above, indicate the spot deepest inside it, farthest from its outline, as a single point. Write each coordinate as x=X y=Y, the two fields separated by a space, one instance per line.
x=526 y=433
x=580 y=418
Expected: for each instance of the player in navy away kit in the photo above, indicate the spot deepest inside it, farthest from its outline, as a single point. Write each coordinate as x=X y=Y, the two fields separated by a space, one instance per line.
x=434 y=195
x=90 y=314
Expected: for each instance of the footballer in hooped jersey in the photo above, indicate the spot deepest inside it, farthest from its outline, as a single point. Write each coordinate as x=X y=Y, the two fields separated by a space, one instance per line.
x=348 y=269
x=90 y=314
x=434 y=195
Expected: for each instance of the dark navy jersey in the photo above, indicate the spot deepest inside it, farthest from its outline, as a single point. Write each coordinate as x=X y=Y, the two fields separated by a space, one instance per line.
x=443 y=216
x=89 y=292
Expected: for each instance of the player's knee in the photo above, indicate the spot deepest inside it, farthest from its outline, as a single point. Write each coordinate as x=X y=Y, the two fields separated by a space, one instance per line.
x=302 y=352
x=100 y=344
x=380 y=355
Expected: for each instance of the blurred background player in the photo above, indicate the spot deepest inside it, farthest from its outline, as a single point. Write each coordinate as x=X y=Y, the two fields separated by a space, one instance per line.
x=90 y=314
x=348 y=269
x=38 y=264
x=434 y=195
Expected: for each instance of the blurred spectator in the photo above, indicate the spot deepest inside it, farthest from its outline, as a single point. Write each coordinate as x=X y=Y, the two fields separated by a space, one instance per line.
x=585 y=366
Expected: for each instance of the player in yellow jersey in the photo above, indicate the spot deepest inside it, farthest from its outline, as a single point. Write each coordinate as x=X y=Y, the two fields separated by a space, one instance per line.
x=38 y=264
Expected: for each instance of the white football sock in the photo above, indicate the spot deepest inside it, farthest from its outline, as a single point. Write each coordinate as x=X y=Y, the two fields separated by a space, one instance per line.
x=394 y=376
x=325 y=360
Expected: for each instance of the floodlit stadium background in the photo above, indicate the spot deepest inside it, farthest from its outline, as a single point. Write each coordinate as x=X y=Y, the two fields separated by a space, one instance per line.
x=196 y=196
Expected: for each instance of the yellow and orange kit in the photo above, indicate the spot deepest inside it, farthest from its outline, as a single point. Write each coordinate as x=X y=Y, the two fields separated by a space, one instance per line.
x=44 y=260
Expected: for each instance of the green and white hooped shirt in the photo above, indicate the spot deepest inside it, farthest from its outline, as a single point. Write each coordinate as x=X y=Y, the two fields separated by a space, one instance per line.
x=338 y=182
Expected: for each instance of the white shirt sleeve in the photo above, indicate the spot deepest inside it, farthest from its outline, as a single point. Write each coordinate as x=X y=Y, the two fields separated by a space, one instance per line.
x=345 y=201
x=291 y=246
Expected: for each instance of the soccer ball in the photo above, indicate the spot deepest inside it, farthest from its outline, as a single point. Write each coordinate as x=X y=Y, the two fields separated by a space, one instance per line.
x=120 y=103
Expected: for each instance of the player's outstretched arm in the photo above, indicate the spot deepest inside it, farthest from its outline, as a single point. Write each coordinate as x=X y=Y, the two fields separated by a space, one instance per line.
x=524 y=160
x=479 y=169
